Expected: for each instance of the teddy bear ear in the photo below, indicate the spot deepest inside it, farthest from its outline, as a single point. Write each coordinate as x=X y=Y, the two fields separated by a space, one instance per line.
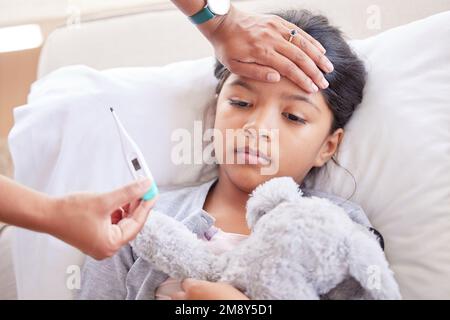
x=269 y=195
x=368 y=265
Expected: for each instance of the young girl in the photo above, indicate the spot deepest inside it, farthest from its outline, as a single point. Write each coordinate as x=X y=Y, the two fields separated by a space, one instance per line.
x=310 y=128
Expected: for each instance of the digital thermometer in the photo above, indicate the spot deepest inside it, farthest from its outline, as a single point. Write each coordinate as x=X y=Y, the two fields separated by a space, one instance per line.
x=135 y=159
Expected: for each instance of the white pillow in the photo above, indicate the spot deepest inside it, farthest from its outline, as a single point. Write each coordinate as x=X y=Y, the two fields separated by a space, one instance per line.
x=72 y=130
x=397 y=146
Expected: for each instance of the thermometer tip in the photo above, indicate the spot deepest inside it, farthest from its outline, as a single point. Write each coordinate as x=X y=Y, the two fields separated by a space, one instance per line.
x=112 y=110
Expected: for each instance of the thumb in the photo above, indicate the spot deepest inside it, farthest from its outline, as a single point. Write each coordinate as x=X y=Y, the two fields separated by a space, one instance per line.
x=255 y=71
x=130 y=226
x=126 y=194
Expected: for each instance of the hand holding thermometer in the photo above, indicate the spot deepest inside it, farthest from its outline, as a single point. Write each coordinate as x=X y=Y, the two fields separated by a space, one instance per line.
x=134 y=158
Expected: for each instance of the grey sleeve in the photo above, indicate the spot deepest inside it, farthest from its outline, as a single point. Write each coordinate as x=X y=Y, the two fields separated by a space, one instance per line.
x=106 y=279
x=358 y=215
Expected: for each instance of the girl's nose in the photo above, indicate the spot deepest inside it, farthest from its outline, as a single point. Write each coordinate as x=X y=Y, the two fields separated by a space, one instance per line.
x=260 y=124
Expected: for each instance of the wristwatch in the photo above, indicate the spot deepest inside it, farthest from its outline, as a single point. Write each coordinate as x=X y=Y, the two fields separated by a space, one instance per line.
x=212 y=9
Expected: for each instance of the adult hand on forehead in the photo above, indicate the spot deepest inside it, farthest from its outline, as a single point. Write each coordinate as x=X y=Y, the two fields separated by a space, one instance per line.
x=257 y=46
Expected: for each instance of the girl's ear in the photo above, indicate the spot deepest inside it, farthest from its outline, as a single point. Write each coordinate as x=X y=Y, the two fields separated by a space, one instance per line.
x=329 y=147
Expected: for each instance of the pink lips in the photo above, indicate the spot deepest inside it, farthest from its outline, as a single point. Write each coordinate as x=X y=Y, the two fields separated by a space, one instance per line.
x=253 y=156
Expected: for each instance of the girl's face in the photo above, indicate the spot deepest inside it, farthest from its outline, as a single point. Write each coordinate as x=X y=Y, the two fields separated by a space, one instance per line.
x=287 y=126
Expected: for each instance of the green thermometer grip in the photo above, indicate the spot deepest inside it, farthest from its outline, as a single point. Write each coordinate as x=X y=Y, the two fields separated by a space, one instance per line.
x=150 y=194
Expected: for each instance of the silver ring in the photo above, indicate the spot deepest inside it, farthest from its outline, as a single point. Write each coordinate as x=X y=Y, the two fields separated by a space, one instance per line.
x=292 y=34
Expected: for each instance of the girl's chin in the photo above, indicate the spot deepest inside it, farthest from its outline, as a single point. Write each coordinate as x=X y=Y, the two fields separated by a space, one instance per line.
x=246 y=177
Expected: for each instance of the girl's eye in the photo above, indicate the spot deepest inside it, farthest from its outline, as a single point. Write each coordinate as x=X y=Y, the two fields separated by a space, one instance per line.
x=239 y=103
x=293 y=117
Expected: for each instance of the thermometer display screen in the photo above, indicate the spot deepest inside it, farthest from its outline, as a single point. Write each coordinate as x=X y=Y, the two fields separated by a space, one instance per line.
x=136 y=164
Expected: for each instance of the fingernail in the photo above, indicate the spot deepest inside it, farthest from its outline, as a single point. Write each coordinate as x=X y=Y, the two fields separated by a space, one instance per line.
x=324 y=83
x=330 y=66
x=314 y=88
x=273 y=77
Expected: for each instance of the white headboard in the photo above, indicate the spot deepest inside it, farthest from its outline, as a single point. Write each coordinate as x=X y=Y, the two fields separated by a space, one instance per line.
x=161 y=37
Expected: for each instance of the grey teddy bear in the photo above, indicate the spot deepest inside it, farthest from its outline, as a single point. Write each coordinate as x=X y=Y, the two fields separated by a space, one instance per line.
x=299 y=248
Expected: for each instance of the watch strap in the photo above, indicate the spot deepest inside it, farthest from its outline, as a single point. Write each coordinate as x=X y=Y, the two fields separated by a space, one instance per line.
x=202 y=16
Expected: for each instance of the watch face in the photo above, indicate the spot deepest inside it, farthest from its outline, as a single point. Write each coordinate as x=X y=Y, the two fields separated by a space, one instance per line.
x=219 y=7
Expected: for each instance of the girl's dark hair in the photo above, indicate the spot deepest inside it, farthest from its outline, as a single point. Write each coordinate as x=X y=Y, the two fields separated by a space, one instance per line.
x=347 y=81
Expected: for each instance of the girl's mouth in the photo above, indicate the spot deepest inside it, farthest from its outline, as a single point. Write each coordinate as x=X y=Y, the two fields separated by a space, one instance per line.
x=251 y=156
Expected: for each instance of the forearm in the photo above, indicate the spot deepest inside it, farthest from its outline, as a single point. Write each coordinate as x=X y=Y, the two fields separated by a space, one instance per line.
x=24 y=207
x=191 y=7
